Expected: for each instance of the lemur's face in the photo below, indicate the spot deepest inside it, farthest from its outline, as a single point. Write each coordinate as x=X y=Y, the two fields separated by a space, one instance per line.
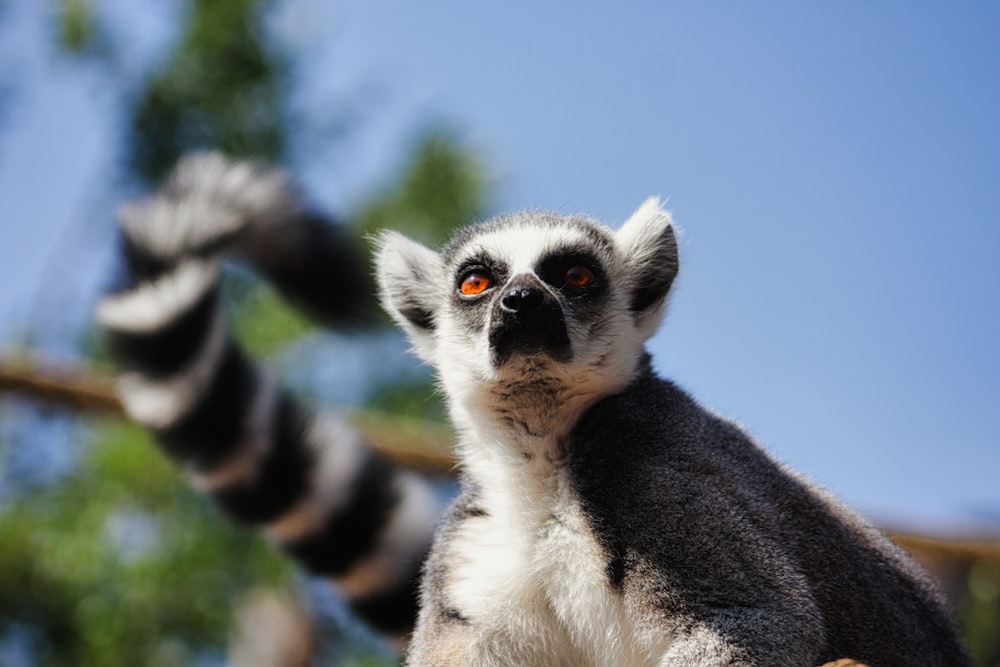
x=529 y=290
x=533 y=301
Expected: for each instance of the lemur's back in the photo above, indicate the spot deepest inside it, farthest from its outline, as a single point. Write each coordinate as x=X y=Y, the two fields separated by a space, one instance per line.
x=669 y=483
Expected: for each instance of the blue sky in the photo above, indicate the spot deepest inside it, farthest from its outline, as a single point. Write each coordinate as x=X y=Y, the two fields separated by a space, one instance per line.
x=834 y=168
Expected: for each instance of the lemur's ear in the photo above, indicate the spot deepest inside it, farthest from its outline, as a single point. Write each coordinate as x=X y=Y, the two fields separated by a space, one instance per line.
x=407 y=274
x=648 y=246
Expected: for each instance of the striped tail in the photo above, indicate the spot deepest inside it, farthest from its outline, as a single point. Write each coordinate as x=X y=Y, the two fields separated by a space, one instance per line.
x=307 y=479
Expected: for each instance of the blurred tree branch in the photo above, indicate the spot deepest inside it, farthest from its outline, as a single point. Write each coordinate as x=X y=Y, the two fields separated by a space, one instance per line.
x=413 y=442
x=68 y=388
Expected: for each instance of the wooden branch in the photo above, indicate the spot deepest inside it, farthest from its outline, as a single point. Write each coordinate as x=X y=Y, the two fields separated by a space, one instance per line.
x=411 y=442
x=60 y=387
x=949 y=550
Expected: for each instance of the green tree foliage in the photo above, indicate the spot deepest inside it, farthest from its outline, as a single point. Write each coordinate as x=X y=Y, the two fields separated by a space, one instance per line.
x=120 y=563
x=80 y=33
x=980 y=611
x=440 y=189
x=224 y=88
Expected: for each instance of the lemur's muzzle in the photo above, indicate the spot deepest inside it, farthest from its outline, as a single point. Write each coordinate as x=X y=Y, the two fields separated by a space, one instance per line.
x=527 y=319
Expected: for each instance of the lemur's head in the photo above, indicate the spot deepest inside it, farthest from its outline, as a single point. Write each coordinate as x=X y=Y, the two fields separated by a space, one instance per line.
x=533 y=303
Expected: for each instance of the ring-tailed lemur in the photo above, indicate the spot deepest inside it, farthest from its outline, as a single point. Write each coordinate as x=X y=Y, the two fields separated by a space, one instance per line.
x=605 y=518
x=308 y=479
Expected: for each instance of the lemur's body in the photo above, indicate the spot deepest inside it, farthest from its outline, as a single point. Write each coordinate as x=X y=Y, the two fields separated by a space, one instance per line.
x=606 y=518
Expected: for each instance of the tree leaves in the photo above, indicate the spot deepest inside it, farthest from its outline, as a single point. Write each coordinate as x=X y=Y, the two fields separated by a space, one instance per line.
x=224 y=88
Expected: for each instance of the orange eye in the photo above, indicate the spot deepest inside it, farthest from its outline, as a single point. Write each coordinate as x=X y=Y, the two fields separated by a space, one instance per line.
x=475 y=283
x=578 y=276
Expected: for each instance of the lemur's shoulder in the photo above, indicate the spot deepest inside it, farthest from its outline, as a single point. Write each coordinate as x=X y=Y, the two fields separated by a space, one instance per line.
x=653 y=427
x=651 y=462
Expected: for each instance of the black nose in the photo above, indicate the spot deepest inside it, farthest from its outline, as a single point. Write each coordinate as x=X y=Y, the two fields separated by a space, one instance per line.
x=522 y=299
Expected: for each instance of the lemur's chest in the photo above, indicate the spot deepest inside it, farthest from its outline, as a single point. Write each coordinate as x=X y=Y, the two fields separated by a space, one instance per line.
x=530 y=570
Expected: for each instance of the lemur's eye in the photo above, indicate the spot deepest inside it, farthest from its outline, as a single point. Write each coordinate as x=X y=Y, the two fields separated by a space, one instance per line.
x=578 y=276
x=475 y=282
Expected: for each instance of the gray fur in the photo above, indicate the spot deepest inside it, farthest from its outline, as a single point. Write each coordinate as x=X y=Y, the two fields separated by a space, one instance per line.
x=605 y=517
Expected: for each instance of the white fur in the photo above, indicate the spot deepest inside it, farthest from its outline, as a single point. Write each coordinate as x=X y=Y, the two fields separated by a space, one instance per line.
x=167 y=228
x=212 y=197
x=160 y=403
x=153 y=305
x=535 y=555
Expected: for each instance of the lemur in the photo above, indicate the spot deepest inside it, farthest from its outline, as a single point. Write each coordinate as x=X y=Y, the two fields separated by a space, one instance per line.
x=605 y=518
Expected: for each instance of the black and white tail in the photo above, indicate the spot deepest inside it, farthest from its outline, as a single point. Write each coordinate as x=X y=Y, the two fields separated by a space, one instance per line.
x=308 y=479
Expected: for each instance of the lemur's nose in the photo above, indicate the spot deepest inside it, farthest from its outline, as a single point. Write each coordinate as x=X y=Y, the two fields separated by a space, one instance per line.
x=527 y=320
x=522 y=299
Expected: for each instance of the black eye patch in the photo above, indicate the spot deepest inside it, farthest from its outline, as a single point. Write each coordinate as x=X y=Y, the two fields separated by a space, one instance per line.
x=574 y=272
